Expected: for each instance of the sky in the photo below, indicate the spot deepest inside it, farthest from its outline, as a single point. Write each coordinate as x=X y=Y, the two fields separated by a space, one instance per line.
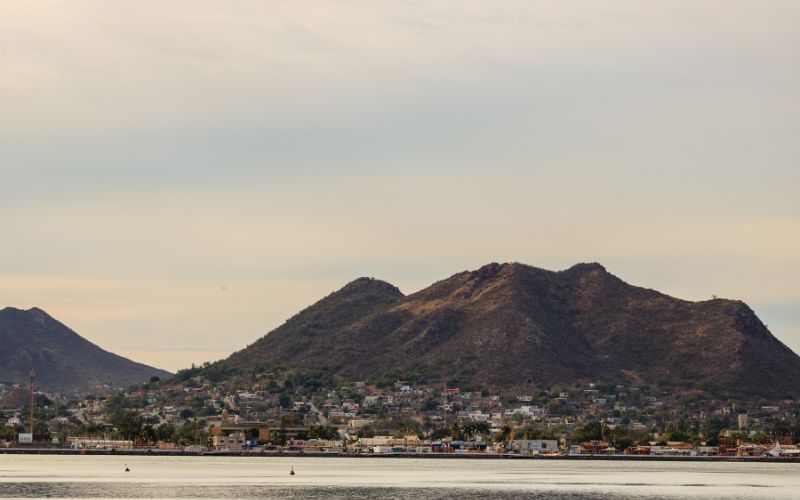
x=178 y=178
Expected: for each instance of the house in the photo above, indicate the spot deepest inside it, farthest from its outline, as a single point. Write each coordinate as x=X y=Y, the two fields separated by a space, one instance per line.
x=357 y=423
x=707 y=451
x=673 y=448
x=534 y=446
x=230 y=442
x=750 y=450
x=596 y=448
x=324 y=446
x=99 y=443
x=479 y=416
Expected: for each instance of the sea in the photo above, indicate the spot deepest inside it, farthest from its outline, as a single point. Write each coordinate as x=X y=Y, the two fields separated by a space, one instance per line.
x=85 y=476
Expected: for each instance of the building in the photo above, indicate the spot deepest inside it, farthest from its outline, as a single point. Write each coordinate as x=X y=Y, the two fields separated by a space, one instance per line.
x=357 y=423
x=673 y=448
x=88 y=443
x=596 y=448
x=742 y=418
x=234 y=441
x=534 y=446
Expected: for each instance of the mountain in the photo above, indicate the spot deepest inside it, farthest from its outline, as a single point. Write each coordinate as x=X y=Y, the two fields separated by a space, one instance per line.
x=62 y=360
x=516 y=327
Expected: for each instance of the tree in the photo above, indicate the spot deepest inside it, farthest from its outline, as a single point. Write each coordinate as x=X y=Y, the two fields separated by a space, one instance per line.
x=191 y=433
x=528 y=432
x=555 y=407
x=619 y=438
x=679 y=430
x=474 y=429
x=149 y=434
x=328 y=432
x=278 y=438
x=7 y=433
x=41 y=432
x=505 y=433
x=130 y=426
x=712 y=428
x=593 y=431
x=780 y=428
x=165 y=432
x=439 y=433
x=115 y=408
x=456 y=433
x=429 y=404
x=323 y=432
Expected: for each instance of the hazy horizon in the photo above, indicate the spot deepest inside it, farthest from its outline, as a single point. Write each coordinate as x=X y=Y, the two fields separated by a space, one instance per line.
x=177 y=179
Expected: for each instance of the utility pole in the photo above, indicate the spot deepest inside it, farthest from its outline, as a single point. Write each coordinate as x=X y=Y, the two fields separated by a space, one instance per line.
x=33 y=379
x=58 y=424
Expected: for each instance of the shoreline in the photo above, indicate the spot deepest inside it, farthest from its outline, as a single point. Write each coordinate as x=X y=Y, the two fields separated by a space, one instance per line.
x=431 y=456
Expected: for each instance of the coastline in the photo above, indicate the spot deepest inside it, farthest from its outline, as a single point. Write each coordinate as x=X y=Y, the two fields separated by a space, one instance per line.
x=432 y=456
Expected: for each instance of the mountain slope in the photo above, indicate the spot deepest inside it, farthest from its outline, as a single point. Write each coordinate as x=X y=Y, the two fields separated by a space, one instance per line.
x=308 y=332
x=62 y=360
x=512 y=326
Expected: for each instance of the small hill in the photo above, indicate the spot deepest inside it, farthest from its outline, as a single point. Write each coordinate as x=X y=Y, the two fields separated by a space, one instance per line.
x=517 y=327
x=63 y=361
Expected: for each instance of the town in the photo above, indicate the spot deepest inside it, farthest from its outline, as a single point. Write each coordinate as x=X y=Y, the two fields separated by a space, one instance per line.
x=191 y=413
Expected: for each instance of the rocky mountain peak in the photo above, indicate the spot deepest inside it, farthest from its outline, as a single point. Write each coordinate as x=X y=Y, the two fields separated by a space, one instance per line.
x=370 y=285
x=517 y=327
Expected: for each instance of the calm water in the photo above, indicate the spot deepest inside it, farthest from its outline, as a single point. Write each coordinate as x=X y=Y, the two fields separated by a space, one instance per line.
x=26 y=476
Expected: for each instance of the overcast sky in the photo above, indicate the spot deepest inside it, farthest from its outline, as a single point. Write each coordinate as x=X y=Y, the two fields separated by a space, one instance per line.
x=178 y=178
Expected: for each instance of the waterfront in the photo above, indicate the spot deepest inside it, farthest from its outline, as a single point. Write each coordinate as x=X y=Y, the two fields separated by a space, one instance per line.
x=28 y=476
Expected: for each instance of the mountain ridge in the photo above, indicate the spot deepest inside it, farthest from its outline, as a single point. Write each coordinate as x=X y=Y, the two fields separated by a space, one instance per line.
x=517 y=327
x=62 y=360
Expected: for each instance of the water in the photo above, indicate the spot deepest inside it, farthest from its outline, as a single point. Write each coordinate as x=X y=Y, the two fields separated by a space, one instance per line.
x=28 y=476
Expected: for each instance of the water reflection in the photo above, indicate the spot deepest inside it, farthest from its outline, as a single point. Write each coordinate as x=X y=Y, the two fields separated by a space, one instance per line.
x=170 y=491
x=30 y=476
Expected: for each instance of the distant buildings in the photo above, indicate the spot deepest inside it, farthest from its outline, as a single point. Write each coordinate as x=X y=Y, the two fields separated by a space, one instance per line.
x=278 y=416
x=95 y=443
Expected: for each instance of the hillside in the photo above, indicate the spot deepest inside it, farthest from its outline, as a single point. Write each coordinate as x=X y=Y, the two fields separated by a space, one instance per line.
x=63 y=360
x=512 y=327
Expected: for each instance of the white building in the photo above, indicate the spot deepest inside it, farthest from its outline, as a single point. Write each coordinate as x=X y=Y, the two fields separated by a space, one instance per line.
x=534 y=446
x=234 y=441
x=99 y=443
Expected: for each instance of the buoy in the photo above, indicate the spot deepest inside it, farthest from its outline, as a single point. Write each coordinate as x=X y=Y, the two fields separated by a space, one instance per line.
x=291 y=472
